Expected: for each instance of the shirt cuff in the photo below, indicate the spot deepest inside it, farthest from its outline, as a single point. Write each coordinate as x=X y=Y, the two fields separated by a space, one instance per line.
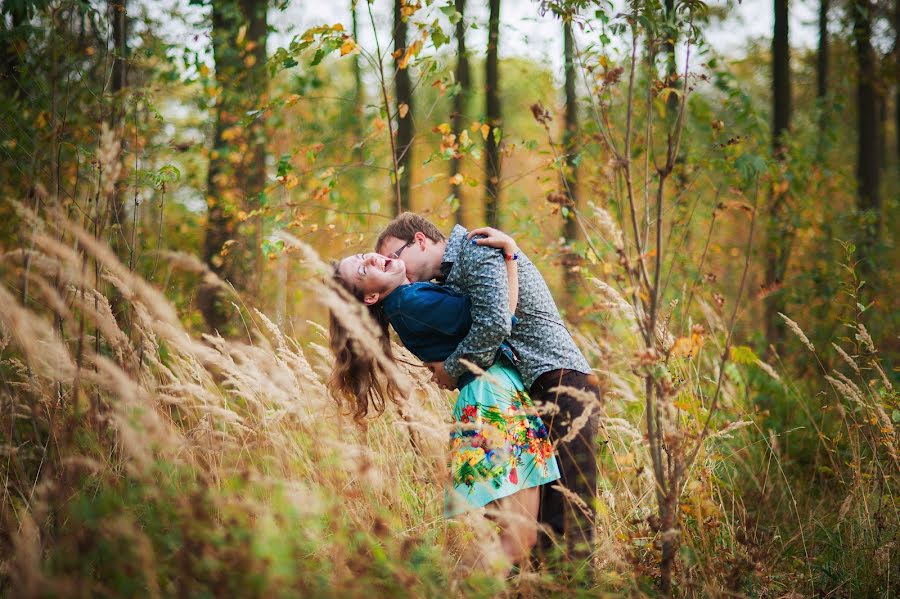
x=514 y=320
x=454 y=368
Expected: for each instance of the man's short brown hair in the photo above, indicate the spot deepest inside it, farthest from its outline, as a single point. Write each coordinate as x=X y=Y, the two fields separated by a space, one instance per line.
x=405 y=227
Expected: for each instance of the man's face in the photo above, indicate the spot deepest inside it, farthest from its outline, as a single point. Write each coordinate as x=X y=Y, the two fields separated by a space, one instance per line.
x=421 y=256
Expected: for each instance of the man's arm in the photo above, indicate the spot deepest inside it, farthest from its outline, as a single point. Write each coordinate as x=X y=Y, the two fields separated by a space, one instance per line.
x=485 y=282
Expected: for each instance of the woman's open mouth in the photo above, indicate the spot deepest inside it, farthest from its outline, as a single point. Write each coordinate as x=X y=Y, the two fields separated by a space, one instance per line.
x=387 y=264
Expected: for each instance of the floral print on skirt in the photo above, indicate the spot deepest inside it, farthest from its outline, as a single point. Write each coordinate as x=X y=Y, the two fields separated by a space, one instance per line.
x=498 y=444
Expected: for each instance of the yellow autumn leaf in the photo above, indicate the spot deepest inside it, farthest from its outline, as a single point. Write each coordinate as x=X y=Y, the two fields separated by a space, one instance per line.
x=457 y=179
x=379 y=124
x=348 y=46
x=403 y=110
x=337 y=27
x=682 y=347
x=444 y=128
x=682 y=403
x=204 y=70
x=485 y=129
x=475 y=126
x=231 y=133
x=249 y=60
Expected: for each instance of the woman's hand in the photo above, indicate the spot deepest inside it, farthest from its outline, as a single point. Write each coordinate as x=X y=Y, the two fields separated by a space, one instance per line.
x=495 y=239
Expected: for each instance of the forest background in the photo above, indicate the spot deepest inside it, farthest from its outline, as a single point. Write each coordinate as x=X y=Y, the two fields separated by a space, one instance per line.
x=711 y=203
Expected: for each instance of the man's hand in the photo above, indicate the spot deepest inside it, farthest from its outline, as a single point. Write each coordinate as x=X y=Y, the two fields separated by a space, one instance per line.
x=440 y=376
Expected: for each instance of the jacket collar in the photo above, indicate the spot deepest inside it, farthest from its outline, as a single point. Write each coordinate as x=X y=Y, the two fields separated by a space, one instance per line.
x=455 y=245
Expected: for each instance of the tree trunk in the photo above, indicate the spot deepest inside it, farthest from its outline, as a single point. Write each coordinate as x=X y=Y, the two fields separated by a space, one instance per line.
x=671 y=65
x=868 y=158
x=359 y=96
x=117 y=217
x=236 y=176
x=359 y=111
x=403 y=91
x=570 y=226
x=897 y=79
x=822 y=54
x=781 y=77
x=778 y=241
x=460 y=101
x=822 y=78
x=492 y=100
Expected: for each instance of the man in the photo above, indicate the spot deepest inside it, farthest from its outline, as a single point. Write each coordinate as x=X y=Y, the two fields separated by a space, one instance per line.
x=547 y=354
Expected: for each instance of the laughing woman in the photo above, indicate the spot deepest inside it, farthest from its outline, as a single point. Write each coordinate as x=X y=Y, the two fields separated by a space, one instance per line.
x=499 y=450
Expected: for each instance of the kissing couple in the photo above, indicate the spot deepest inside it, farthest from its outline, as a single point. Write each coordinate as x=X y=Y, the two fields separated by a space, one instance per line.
x=475 y=296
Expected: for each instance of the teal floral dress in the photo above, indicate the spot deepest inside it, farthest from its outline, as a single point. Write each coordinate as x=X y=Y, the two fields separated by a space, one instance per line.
x=498 y=443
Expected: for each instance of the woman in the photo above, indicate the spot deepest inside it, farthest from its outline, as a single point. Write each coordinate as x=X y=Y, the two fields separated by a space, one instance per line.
x=499 y=450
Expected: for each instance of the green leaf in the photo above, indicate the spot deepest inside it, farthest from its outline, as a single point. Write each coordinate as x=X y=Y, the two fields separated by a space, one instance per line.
x=284 y=165
x=438 y=36
x=741 y=354
x=451 y=13
x=895 y=416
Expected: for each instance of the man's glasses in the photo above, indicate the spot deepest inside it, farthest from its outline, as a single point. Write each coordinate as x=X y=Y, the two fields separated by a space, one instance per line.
x=395 y=255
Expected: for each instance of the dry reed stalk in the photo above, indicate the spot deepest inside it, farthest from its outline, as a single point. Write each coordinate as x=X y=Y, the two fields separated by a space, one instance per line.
x=726 y=431
x=589 y=401
x=798 y=331
x=614 y=300
x=765 y=367
x=608 y=227
x=26 y=577
x=133 y=287
x=846 y=357
x=863 y=335
x=37 y=339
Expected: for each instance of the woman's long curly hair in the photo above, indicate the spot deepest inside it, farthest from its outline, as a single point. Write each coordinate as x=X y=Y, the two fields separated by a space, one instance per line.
x=359 y=377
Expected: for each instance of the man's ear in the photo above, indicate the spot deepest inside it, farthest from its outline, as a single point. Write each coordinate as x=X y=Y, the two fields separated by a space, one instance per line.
x=420 y=238
x=371 y=299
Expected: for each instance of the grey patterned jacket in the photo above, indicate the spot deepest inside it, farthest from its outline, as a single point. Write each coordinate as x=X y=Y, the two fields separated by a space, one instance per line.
x=539 y=337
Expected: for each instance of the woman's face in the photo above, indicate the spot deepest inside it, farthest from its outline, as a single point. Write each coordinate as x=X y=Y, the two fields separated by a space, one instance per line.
x=373 y=274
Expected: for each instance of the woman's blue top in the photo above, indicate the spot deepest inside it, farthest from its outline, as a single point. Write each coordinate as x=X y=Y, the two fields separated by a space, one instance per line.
x=431 y=320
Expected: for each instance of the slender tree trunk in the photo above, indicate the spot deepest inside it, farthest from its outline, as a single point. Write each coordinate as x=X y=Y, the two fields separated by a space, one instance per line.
x=822 y=53
x=822 y=77
x=778 y=241
x=118 y=218
x=359 y=95
x=236 y=176
x=868 y=158
x=460 y=101
x=570 y=225
x=671 y=39
x=359 y=110
x=492 y=100
x=405 y=131
x=781 y=78
x=897 y=79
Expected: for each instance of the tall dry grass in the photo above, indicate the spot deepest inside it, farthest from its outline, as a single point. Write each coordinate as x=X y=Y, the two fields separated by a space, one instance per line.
x=169 y=463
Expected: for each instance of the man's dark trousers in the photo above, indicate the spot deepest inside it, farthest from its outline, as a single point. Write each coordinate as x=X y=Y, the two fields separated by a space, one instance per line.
x=577 y=459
